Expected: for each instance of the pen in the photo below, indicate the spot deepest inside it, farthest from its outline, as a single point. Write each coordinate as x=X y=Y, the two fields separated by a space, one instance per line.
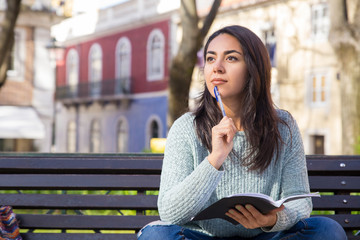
x=218 y=98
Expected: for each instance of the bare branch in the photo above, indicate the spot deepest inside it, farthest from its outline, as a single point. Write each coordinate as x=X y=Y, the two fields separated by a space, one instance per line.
x=210 y=18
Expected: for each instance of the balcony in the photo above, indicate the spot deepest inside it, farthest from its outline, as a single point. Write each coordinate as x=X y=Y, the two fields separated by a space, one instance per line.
x=104 y=90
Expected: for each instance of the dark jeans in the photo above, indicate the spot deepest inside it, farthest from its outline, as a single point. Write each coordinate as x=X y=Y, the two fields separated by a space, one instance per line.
x=314 y=228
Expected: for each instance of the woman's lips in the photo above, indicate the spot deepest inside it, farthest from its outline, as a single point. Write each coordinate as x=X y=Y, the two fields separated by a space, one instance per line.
x=218 y=81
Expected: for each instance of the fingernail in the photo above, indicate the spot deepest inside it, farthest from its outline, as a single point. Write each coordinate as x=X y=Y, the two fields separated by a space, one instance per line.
x=231 y=211
x=247 y=206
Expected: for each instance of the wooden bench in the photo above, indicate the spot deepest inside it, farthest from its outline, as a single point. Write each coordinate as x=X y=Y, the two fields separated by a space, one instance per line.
x=25 y=177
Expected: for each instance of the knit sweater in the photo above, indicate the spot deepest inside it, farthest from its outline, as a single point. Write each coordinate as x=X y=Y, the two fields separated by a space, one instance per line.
x=189 y=183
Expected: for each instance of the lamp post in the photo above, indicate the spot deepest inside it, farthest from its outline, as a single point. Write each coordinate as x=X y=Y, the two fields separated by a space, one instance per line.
x=56 y=52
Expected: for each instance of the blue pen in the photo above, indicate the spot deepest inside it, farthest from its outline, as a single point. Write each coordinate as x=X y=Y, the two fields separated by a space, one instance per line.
x=218 y=98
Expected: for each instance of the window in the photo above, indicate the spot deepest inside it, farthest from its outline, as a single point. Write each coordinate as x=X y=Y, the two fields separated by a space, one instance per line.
x=318 y=89
x=320 y=22
x=95 y=137
x=317 y=143
x=155 y=55
x=95 y=70
x=270 y=43
x=71 y=137
x=122 y=136
x=153 y=129
x=17 y=145
x=15 y=71
x=123 y=66
x=11 y=60
x=72 y=72
x=7 y=145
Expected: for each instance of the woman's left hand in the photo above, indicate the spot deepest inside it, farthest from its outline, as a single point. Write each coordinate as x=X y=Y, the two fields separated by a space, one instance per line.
x=251 y=218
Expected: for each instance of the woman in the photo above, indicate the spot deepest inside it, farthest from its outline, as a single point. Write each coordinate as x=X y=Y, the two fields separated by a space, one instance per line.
x=254 y=148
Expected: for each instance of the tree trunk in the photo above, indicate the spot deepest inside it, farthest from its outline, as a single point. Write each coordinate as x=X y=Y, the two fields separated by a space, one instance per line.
x=183 y=63
x=7 y=36
x=350 y=98
x=345 y=38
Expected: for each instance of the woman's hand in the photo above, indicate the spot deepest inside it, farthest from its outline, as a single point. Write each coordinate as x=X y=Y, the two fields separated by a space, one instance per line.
x=251 y=218
x=222 y=141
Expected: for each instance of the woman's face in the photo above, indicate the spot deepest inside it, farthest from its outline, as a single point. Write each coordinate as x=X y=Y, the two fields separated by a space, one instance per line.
x=225 y=67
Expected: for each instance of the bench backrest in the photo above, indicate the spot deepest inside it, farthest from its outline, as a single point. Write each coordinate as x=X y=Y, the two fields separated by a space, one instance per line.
x=338 y=179
x=66 y=177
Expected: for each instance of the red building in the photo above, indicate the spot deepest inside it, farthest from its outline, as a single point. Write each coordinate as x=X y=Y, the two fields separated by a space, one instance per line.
x=112 y=83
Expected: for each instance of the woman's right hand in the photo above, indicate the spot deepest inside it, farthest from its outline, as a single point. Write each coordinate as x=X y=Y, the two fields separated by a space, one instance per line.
x=222 y=141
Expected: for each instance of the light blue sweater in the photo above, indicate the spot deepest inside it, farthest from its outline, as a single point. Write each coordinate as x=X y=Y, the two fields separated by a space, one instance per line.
x=189 y=183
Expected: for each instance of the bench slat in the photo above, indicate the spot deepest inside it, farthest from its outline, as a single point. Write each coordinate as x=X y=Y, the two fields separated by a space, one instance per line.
x=77 y=236
x=333 y=165
x=86 y=166
x=38 y=221
x=28 y=221
x=78 y=182
x=72 y=201
x=349 y=166
x=348 y=222
x=149 y=202
x=337 y=202
x=325 y=158
x=334 y=183
x=51 y=156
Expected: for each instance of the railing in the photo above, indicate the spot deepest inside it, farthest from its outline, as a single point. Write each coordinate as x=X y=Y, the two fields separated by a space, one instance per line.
x=104 y=88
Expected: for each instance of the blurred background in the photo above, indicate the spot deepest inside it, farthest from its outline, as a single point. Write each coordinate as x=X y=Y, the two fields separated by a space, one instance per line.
x=112 y=76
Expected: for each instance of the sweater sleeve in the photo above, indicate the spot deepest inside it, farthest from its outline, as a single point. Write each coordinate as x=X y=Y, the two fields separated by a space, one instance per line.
x=294 y=179
x=186 y=181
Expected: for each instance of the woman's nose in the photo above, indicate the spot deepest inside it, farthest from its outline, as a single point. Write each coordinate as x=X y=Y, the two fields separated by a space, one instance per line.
x=218 y=67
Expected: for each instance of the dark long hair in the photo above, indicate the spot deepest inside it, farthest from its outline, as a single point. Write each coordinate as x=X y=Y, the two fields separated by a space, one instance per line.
x=259 y=118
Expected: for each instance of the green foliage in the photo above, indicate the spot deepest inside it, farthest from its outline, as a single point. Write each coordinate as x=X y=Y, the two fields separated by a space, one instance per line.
x=322 y=212
x=152 y=192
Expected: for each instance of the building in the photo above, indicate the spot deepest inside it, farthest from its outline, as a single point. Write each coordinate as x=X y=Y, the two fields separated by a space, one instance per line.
x=26 y=99
x=94 y=115
x=305 y=79
x=111 y=93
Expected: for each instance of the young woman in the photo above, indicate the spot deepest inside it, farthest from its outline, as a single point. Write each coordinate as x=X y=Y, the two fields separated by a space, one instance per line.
x=254 y=148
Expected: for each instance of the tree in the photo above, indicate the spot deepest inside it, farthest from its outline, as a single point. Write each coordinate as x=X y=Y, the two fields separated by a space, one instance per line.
x=7 y=36
x=345 y=39
x=183 y=63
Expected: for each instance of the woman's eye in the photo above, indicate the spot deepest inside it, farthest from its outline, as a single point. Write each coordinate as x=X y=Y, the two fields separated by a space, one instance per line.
x=209 y=59
x=232 y=58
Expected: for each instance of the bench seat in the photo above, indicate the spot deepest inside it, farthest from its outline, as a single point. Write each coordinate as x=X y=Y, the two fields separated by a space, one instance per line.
x=82 y=196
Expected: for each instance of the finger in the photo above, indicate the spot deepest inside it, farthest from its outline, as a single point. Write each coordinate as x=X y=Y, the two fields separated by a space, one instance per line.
x=247 y=211
x=225 y=118
x=228 y=123
x=246 y=221
x=237 y=216
x=224 y=130
x=253 y=211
